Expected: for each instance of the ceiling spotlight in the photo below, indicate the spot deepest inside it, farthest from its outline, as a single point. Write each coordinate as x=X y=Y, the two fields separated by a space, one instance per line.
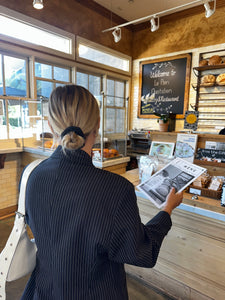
x=154 y=26
x=208 y=10
x=38 y=4
x=117 y=34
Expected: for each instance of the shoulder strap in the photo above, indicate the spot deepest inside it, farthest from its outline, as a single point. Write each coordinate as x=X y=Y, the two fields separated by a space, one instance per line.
x=7 y=254
x=23 y=185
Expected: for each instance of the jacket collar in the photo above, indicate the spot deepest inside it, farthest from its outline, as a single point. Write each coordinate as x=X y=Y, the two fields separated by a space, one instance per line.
x=76 y=156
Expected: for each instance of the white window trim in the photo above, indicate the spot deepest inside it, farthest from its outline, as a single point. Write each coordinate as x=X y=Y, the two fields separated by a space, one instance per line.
x=103 y=49
x=26 y=58
x=41 y=25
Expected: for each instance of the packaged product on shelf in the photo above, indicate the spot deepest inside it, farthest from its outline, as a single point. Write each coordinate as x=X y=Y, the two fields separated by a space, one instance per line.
x=202 y=181
x=216 y=183
x=147 y=166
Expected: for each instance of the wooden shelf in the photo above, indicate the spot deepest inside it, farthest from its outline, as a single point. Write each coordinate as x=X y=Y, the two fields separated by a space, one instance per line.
x=209 y=163
x=204 y=202
x=206 y=68
x=10 y=150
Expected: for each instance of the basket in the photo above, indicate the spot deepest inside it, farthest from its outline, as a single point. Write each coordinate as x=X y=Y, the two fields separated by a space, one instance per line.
x=207 y=193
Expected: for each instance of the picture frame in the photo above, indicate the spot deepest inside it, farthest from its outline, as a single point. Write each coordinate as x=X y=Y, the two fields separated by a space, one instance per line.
x=186 y=146
x=161 y=148
x=164 y=85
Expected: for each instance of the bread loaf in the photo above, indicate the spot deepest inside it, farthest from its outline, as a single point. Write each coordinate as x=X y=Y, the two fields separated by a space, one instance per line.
x=220 y=79
x=203 y=62
x=107 y=153
x=208 y=79
x=215 y=60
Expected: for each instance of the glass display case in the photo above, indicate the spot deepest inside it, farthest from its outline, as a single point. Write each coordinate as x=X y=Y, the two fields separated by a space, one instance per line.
x=111 y=142
x=36 y=132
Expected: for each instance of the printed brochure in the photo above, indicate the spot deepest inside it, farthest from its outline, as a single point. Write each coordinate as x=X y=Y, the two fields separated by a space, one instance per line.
x=179 y=173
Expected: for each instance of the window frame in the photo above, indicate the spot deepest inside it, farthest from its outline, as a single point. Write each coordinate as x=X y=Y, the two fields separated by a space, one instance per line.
x=116 y=135
x=105 y=50
x=19 y=56
x=54 y=81
x=6 y=12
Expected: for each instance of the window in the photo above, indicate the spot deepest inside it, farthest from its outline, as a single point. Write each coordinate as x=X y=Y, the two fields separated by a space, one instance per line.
x=91 y=82
x=101 y=55
x=13 y=86
x=29 y=31
x=114 y=103
x=3 y=120
x=14 y=79
x=50 y=76
x=115 y=118
x=10 y=119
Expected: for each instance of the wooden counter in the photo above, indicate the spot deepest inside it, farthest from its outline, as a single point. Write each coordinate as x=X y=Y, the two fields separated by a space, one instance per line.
x=202 y=202
x=116 y=165
x=11 y=150
x=191 y=263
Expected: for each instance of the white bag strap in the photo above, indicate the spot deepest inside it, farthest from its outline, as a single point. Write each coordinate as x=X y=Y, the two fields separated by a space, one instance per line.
x=26 y=174
x=7 y=253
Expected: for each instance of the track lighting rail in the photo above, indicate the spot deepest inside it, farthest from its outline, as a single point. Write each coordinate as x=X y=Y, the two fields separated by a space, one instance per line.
x=152 y=18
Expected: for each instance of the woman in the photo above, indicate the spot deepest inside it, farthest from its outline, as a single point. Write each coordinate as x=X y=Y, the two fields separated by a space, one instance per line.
x=85 y=220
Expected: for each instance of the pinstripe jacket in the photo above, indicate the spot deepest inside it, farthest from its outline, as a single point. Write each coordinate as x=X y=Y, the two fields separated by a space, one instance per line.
x=86 y=225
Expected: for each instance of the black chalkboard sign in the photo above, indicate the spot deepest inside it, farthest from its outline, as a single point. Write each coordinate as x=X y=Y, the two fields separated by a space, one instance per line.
x=164 y=86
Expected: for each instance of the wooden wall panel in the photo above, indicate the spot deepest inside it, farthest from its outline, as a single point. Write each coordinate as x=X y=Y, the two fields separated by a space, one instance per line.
x=9 y=180
x=180 y=34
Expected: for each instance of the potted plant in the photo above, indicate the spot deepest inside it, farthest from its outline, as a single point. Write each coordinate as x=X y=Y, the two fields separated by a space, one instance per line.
x=163 y=121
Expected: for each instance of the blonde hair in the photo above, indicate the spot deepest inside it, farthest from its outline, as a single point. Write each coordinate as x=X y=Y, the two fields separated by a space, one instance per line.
x=72 y=105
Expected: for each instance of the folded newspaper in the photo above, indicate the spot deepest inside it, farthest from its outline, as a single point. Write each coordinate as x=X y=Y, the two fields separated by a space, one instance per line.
x=179 y=173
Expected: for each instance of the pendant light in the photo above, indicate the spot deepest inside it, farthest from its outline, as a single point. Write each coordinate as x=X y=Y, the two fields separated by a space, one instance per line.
x=38 y=4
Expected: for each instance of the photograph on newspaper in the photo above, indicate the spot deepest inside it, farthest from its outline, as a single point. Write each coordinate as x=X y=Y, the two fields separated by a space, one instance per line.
x=179 y=173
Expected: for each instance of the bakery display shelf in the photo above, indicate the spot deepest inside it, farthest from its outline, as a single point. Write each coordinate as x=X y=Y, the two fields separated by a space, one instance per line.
x=206 y=68
x=205 y=85
x=209 y=163
x=213 y=93
x=207 y=203
x=203 y=191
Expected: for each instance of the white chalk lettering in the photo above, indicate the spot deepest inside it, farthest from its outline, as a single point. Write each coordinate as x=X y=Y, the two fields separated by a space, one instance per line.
x=158 y=74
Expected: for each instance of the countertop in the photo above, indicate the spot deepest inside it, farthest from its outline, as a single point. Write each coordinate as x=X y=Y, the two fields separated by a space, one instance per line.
x=203 y=205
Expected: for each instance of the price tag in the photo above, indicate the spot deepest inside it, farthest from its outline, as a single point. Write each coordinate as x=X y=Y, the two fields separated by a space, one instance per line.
x=195 y=191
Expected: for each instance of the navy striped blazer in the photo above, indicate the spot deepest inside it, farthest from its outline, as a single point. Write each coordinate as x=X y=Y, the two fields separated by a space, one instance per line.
x=86 y=225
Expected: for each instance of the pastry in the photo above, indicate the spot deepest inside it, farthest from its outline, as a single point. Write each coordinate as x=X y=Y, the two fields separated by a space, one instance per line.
x=208 y=79
x=48 y=144
x=215 y=60
x=203 y=62
x=220 y=79
x=113 y=152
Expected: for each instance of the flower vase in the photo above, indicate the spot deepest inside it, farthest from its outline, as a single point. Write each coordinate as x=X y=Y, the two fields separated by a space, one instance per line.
x=163 y=127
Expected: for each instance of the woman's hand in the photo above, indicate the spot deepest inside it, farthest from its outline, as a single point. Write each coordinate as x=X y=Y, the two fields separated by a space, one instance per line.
x=173 y=199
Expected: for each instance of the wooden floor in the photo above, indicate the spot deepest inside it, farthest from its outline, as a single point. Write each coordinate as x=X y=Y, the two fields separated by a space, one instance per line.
x=136 y=289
